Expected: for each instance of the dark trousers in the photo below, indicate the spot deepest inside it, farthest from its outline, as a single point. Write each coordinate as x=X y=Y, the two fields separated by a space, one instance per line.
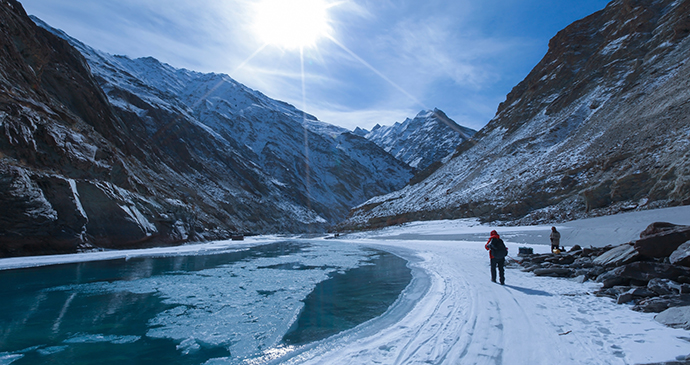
x=501 y=271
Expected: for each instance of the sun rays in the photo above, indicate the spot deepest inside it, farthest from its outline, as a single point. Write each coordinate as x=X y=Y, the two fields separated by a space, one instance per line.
x=294 y=25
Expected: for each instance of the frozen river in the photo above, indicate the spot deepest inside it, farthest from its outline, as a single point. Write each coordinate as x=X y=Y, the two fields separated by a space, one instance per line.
x=277 y=301
x=226 y=306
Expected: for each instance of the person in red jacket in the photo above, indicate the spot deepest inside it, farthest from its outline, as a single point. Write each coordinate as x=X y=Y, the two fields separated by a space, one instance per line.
x=497 y=252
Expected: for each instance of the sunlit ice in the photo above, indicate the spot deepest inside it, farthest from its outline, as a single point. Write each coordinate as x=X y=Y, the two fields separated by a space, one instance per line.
x=292 y=24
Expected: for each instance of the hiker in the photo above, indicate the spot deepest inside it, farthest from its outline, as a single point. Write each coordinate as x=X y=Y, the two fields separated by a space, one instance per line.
x=497 y=252
x=555 y=240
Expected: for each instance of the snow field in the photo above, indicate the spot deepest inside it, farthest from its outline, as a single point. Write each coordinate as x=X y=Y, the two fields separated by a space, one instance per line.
x=463 y=318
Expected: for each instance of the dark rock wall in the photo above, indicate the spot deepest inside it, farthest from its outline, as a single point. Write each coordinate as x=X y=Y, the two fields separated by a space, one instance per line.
x=628 y=65
x=76 y=174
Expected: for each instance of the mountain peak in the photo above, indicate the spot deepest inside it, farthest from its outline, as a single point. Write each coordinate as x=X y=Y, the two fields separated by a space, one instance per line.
x=421 y=141
x=425 y=114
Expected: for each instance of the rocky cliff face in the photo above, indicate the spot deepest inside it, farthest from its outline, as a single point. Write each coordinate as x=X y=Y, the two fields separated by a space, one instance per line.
x=114 y=162
x=75 y=175
x=600 y=125
x=427 y=138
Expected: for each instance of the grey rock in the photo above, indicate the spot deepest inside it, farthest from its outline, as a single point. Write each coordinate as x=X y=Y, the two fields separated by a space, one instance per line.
x=685 y=288
x=664 y=286
x=560 y=272
x=532 y=268
x=621 y=255
x=660 y=304
x=595 y=272
x=583 y=263
x=634 y=294
x=664 y=243
x=656 y=228
x=562 y=259
x=641 y=273
x=625 y=298
x=681 y=256
x=613 y=292
x=676 y=317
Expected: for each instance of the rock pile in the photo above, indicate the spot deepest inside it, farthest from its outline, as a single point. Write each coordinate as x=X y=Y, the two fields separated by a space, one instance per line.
x=652 y=272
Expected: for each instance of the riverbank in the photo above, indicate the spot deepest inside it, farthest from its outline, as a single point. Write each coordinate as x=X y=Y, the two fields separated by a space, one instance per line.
x=462 y=317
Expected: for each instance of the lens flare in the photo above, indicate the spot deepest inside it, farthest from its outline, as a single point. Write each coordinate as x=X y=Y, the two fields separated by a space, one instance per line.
x=292 y=24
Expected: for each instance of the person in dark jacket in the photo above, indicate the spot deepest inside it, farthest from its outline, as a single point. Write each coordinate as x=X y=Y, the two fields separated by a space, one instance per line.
x=497 y=252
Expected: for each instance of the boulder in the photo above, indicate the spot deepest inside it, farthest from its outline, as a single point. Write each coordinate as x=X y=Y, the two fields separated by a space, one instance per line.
x=563 y=259
x=664 y=243
x=676 y=317
x=535 y=259
x=531 y=268
x=635 y=293
x=664 y=286
x=560 y=272
x=595 y=272
x=656 y=228
x=662 y=303
x=575 y=248
x=612 y=293
x=681 y=256
x=641 y=272
x=587 y=252
x=594 y=251
x=624 y=298
x=583 y=263
x=621 y=255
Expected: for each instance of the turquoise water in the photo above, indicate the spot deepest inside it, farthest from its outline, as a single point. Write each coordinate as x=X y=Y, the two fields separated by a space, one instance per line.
x=226 y=307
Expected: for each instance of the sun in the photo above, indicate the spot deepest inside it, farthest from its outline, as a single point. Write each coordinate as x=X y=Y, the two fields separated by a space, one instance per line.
x=291 y=24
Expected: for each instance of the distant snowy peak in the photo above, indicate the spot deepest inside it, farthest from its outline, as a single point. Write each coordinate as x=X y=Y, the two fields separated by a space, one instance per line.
x=421 y=141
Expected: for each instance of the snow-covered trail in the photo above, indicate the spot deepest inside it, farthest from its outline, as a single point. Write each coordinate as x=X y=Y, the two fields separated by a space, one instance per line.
x=463 y=318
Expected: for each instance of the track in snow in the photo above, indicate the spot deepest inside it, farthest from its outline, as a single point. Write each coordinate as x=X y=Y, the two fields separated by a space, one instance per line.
x=460 y=317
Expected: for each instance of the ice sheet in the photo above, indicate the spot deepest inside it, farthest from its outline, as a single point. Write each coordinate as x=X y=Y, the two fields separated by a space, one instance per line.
x=244 y=307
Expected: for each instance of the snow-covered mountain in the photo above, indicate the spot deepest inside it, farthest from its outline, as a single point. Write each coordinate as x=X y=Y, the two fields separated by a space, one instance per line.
x=303 y=155
x=600 y=125
x=421 y=141
x=321 y=168
x=131 y=153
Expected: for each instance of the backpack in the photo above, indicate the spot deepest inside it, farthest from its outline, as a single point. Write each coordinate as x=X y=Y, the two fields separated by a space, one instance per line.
x=498 y=248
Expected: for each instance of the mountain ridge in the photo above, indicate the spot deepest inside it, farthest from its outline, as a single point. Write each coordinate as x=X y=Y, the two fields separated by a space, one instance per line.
x=599 y=126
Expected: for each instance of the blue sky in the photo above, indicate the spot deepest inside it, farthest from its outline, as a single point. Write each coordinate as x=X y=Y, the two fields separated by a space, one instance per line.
x=384 y=61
